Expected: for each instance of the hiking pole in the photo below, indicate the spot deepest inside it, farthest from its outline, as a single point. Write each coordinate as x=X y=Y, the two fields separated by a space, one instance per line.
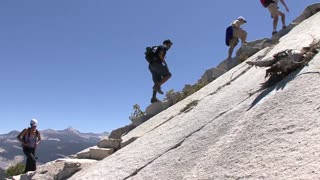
x=33 y=157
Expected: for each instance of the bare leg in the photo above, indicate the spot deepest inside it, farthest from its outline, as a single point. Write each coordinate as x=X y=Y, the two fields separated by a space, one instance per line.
x=283 y=19
x=165 y=79
x=275 y=23
x=244 y=38
x=242 y=34
x=230 y=51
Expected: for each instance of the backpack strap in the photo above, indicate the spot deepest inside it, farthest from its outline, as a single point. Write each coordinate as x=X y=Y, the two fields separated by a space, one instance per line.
x=29 y=132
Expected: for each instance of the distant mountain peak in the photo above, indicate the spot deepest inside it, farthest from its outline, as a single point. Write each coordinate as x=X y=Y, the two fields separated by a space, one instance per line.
x=72 y=130
x=14 y=132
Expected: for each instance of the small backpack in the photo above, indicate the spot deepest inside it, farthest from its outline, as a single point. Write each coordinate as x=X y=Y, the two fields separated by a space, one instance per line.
x=265 y=3
x=150 y=54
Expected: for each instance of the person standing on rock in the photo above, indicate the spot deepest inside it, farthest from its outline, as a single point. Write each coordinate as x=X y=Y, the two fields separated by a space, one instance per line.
x=159 y=68
x=273 y=8
x=30 y=138
x=234 y=32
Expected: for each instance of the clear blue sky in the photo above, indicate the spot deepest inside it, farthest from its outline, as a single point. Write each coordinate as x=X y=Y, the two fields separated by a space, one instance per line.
x=80 y=63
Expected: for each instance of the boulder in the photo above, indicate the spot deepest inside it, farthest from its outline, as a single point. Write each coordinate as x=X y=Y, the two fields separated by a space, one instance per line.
x=123 y=144
x=211 y=74
x=100 y=153
x=59 y=169
x=156 y=108
x=109 y=143
x=28 y=176
x=84 y=154
x=68 y=170
x=117 y=133
x=139 y=120
x=226 y=65
x=253 y=47
x=308 y=12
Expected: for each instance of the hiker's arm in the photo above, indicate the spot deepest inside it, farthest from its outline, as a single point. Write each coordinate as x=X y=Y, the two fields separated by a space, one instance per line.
x=20 y=135
x=285 y=5
x=161 y=56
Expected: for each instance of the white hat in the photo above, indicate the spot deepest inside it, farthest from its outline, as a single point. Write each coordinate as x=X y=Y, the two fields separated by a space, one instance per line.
x=242 y=18
x=33 y=122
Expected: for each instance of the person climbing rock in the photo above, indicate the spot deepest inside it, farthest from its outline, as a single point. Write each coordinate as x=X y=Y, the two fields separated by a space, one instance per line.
x=234 y=32
x=273 y=8
x=159 y=68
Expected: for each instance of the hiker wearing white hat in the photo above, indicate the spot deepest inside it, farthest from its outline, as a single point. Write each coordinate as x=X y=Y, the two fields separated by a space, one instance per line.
x=236 y=32
x=240 y=18
x=30 y=138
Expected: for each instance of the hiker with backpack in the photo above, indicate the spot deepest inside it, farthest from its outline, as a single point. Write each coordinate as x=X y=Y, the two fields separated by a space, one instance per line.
x=158 y=67
x=273 y=8
x=234 y=32
x=30 y=138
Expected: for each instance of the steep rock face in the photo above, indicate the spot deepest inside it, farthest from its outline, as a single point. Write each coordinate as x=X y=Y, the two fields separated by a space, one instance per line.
x=230 y=133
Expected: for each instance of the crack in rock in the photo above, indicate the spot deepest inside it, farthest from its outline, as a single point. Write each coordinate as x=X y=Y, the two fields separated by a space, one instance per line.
x=181 y=142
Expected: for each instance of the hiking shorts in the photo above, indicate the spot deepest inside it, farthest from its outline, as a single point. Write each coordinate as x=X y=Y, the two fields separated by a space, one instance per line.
x=274 y=9
x=158 y=71
x=233 y=42
x=239 y=33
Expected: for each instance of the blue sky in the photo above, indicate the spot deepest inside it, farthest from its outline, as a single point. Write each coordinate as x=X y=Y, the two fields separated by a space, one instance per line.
x=80 y=63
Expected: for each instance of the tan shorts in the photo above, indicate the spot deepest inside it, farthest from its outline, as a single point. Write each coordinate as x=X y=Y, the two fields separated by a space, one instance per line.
x=233 y=42
x=274 y=10
x=239 y=33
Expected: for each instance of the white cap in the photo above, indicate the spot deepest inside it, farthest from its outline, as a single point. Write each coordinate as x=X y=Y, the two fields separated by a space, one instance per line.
x=242 y=18
x=33 y=122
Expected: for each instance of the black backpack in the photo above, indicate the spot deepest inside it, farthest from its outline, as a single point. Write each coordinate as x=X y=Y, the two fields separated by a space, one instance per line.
x=265 y=3
x=150 y=54
x=229 y=35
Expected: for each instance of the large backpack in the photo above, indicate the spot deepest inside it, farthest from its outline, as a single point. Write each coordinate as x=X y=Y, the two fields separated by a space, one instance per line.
x=265 y=3
x=150 y=54
x=229 y=35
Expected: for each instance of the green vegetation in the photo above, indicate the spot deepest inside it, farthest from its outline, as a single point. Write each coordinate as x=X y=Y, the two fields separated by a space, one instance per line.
x=15 y=170
x=137 y=112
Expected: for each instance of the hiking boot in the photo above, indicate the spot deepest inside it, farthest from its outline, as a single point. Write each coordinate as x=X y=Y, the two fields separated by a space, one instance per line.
x=158 y=89
x=154 y=100
x=274 y=32
x=284 y=27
